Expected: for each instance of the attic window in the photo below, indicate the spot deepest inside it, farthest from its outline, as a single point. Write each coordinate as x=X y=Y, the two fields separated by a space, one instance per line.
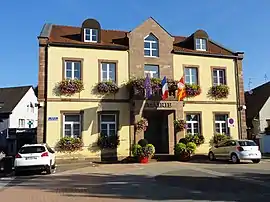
x=90 y=35
x=200 y=44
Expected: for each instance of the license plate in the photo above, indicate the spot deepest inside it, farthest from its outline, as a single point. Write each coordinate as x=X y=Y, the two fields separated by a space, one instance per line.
x=30 y=158
x=252 y=154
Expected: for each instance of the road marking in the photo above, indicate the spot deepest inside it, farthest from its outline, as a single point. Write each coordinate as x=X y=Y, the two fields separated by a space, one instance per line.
x=4 y=181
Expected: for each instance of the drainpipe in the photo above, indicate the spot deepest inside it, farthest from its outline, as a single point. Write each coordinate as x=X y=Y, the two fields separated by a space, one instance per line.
x=239 y=121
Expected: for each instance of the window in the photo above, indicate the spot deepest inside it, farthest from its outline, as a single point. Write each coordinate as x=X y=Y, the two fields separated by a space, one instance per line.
x=219 y=77
x=72 y=69
x=108 y=71
x=151 y=46
x=201 y=44
x=90 y=35
x=191 y=75
x=193 y=124
x=221 y=125
x=32 y=149
x=151 y=70
x=72 y=125
x=108 y=124
x=21 y=123
x=243 y=143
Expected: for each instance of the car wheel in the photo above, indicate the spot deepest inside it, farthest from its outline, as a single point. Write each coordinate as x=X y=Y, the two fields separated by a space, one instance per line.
x=256 y=160
x=234 y=158
x=49 y=170
x=211 y=156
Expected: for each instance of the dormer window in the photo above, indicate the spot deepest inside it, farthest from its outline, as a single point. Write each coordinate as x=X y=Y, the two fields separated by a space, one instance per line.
x=201 y=44
x=151 y=46
x=90 y=35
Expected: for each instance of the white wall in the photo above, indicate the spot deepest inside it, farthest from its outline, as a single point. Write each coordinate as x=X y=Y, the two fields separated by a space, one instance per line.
x=21 y=111
x=264 y=115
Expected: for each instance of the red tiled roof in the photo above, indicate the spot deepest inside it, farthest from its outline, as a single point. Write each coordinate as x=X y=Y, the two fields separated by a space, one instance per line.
x=71 y=35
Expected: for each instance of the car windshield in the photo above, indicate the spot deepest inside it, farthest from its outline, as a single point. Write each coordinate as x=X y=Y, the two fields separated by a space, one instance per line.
x=247 y=143
x=32 y=149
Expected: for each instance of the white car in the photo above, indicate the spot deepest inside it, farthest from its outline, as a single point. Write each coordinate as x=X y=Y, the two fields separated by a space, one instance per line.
x=35 y=157
x=236 y=150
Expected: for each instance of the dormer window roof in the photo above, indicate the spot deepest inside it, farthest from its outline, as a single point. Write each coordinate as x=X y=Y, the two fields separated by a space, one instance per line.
x=200 y=44
x=90 y=35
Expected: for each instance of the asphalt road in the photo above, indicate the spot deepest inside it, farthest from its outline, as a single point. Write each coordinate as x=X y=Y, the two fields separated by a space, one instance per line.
x=163 y=181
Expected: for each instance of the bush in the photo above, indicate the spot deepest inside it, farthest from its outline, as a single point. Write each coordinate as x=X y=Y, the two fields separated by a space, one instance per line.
x=196 y=138
x=69 y=144
x=108 y=141
x=180 y=148
x=143 y=142
x=191 y=147
x=136 y=150
x=217 y=138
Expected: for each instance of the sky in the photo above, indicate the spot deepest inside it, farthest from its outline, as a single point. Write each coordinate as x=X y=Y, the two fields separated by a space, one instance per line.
x=241 y=25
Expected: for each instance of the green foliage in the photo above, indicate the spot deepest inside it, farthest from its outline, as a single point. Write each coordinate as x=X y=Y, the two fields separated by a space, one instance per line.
x=108 y=141
x=217 y=138
x=191 y=147
x=218 y=92
x=192 y=90
x=69 y=144
x=196 y=138
x=179 y=125
x=146 y=151
x=69 y=87
x=180 y=148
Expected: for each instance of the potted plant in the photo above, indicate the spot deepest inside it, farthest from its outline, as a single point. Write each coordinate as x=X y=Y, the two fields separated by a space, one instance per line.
x=195 y=138
x=192 y=90
x=107 y=87
x=179 y=125
x=69 y=87
x=184 y=151
x=69 y=144
x=218 y=92
x=143 y=153
x=141 y=125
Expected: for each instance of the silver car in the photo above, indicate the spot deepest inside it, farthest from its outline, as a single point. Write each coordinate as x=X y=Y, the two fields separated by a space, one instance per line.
x=236 y=150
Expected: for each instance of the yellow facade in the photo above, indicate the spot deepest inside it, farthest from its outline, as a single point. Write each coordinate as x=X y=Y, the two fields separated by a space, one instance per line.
x=90 y=103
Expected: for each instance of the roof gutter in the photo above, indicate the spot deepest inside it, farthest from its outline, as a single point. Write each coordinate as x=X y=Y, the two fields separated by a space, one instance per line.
x=209 y=54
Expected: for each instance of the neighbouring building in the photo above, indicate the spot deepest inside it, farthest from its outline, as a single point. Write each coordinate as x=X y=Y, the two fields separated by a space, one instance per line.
x=258 y=108
x=18 y=111
x=93 y=55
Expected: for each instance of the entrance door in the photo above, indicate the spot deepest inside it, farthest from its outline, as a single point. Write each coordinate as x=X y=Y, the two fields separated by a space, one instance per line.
x=157 y=130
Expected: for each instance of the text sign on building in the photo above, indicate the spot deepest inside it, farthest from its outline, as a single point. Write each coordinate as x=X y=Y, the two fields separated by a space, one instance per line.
x=231 y=122
x=53 y=118
x=156 y=105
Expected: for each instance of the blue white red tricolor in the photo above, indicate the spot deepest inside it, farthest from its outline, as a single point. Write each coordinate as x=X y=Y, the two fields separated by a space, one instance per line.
x=165 y=89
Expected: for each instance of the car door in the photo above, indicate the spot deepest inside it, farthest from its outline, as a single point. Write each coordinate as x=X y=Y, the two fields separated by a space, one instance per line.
x=228 y=147
x=219 y=150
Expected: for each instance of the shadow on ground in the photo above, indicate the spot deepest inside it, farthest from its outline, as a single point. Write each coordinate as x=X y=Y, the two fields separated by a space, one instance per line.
x=163 y=187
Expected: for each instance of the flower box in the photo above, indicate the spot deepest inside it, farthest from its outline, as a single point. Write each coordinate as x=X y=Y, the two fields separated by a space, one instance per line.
x=192 y=90
x=141 y=125
x=107 y=87
x=218 y=92
x=179 y=125
x=69 y=87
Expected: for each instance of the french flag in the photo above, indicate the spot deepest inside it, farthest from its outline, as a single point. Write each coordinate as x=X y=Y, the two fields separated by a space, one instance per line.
x=165 y=89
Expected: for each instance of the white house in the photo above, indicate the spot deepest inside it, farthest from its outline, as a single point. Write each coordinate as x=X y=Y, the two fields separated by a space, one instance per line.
x=17 y=110
x=258 y=108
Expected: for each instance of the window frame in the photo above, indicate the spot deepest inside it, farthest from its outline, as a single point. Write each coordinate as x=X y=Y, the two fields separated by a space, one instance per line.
x=73 y=60
x=64 y=114
x=116 y=115
x=221 y=122
x=151 y=72
x=190 y=76
x=151 y=49
x=90 y=35
x=100 y=61
x=201 y=44
x=218 y=78
x=107 y=71
x=192 y=122
x=20 y=125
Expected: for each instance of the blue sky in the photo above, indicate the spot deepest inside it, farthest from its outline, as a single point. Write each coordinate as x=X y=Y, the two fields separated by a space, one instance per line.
x=241 y=25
